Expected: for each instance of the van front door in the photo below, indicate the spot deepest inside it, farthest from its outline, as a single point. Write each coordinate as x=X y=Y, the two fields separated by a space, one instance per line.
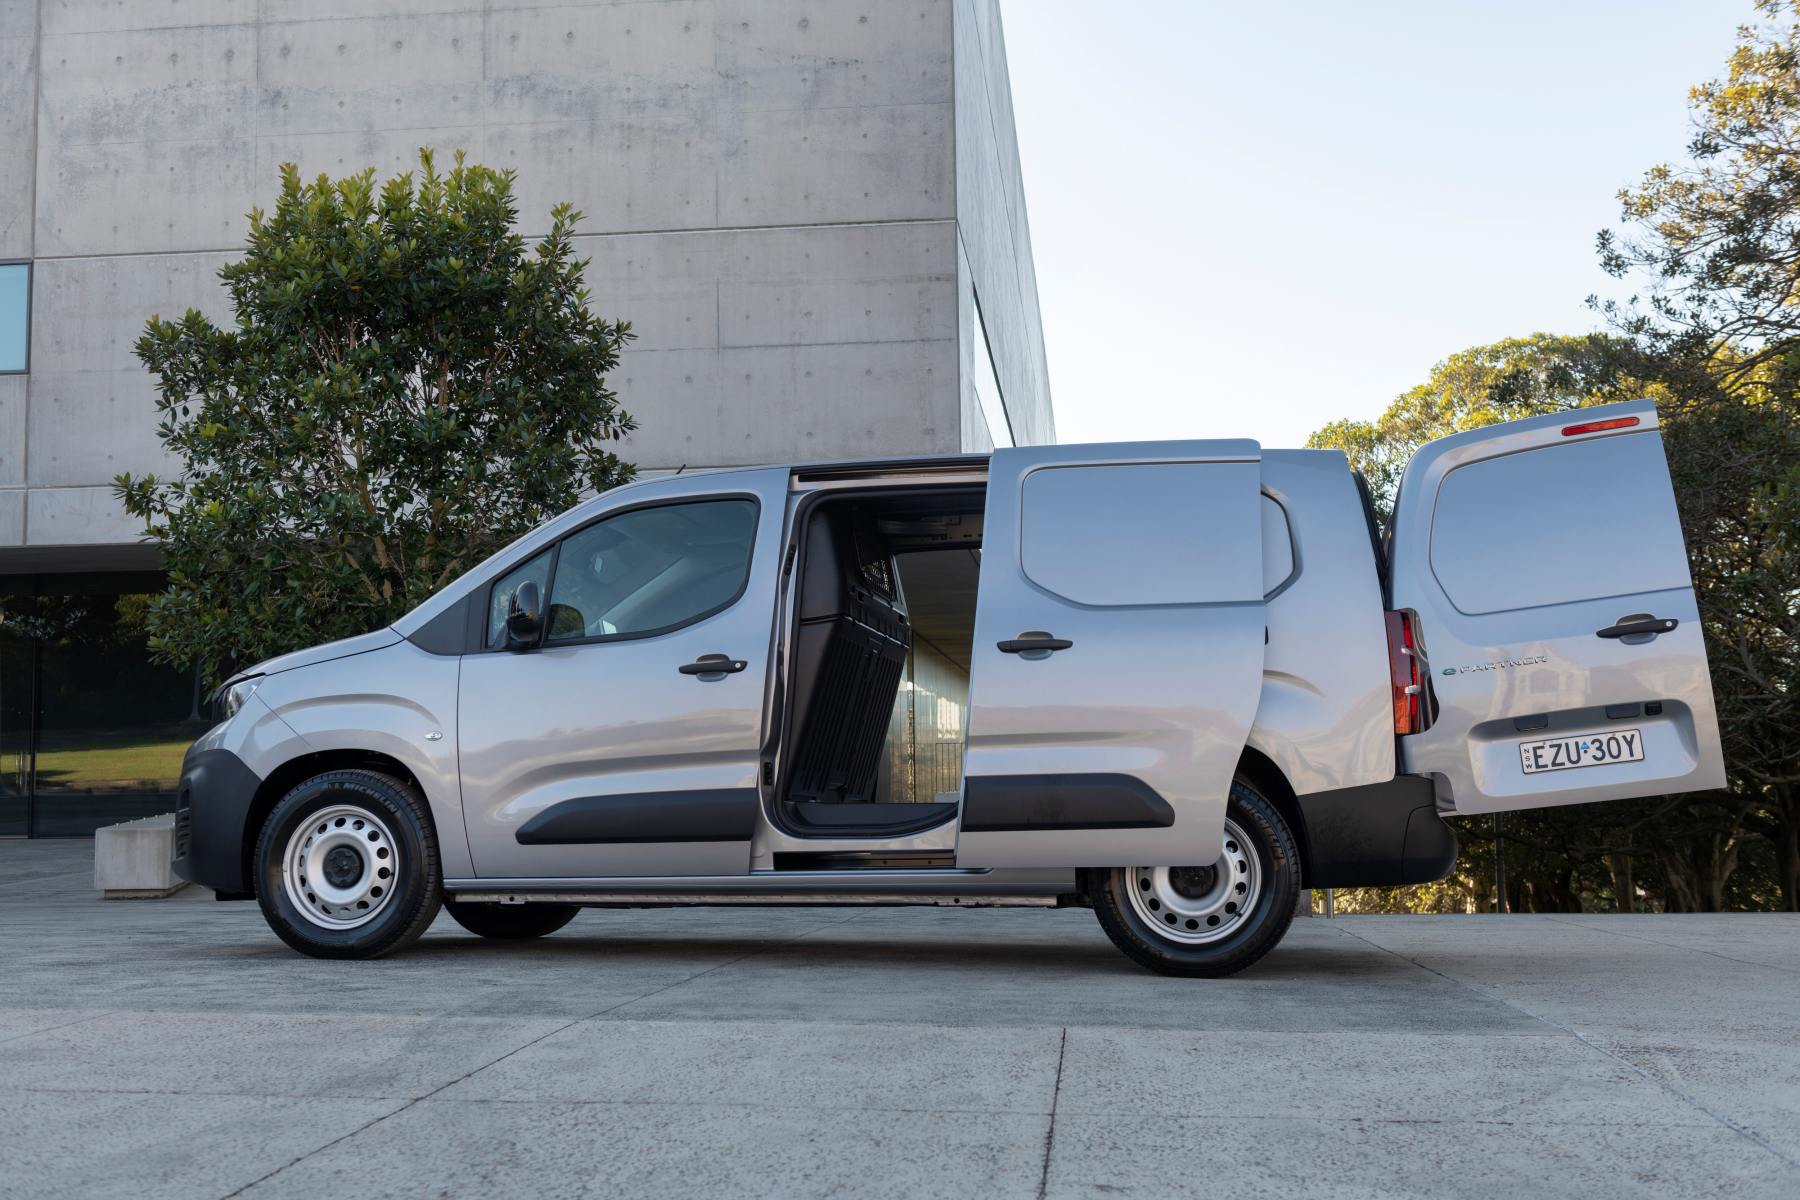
x=625 y=741
x=1118 y=653
x=1544 y=561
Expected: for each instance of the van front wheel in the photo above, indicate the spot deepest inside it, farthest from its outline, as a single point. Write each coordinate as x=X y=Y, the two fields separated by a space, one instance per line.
x=1207 y=920
x=347 y=866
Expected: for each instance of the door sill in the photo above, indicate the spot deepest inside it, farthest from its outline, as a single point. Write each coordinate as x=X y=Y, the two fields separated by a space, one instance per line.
x=816 y=820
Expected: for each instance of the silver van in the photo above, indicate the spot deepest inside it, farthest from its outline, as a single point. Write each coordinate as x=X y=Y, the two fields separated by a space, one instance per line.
x=1176 y=682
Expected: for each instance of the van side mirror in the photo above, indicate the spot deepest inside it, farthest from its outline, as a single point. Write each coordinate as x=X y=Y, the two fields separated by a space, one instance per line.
x=524 y=617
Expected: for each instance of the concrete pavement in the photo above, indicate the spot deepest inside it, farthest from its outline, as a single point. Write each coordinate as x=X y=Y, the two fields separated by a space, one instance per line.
x=175 y=1048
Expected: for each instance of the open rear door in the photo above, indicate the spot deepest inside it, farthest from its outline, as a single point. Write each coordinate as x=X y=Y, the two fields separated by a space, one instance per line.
x=1545 y=564
x=1118 y=653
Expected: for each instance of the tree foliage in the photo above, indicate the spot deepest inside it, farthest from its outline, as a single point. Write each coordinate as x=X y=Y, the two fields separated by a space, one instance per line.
x=1716 y=241
x=406 y=387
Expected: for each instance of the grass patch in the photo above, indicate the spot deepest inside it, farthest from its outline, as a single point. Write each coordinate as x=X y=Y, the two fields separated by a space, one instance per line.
x=111 y=762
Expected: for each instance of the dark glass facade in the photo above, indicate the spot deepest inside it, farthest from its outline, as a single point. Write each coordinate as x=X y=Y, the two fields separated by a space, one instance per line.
x=91 y=731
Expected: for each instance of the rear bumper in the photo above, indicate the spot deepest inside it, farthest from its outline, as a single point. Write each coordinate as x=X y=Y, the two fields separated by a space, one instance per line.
x=1380 y=835
x=212 y=812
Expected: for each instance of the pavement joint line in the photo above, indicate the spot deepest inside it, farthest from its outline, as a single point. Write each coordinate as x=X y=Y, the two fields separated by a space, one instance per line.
x=39 y=879
x=53 y=1028
x=515 y=1050
x=1062 y=1051
x=571 y=1102
x=1747 y=1134
x=1638 y=937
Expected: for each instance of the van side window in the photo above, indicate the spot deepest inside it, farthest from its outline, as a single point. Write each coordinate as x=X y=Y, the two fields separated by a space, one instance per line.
x=1152 y=533
x=1522 y=530
x=500 y=595
x=651 y=569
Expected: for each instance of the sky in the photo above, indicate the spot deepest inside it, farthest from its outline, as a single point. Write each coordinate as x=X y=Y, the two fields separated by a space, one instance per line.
x=1251 y=219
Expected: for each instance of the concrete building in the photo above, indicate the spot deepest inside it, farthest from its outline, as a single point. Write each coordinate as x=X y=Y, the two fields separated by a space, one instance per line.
x=810 y=210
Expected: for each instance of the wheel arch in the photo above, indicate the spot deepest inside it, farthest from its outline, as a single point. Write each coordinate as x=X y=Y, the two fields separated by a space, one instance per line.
x=1268 y=779
x=295 y=771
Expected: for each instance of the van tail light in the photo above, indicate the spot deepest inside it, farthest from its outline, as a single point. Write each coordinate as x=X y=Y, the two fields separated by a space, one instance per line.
x=1403 y=668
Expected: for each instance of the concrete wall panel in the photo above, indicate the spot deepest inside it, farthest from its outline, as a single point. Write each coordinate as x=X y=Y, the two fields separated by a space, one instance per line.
x=803 y=166
x=77 y=516
x=14 y=395
x=785 y=286
x=631 y=173
x=707 y=304
x=325 y=10
x=144 y=139
x=596 y=62
x=18 y=128
x=369 y=73
x=665 y=284
x=788 y=54
x=106 y=16
x=389 y=151
x=788 y=403
x=87 y=313
x=12 y=516
x=92 y=404
x=156 y=197
x=185 y=84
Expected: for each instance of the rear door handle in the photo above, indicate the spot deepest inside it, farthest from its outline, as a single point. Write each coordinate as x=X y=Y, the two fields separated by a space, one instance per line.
x=713 y=664
x=1638 y=627
x=1033 y=639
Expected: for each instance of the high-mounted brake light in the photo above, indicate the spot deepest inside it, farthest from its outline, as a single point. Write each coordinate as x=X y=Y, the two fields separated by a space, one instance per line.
x=1599 y=426
x=1403 y=667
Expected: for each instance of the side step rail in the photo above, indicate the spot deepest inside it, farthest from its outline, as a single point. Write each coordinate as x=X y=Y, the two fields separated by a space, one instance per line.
x=809 y=899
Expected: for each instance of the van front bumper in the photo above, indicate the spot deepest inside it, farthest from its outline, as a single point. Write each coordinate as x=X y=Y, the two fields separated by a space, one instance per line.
x=212 y=813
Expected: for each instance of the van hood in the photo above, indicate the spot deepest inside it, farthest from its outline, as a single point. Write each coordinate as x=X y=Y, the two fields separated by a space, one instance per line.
x=362 y=643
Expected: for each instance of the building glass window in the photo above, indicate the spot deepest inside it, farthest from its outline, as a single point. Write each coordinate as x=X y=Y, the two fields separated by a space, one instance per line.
x=15 y=317
x=91 y=731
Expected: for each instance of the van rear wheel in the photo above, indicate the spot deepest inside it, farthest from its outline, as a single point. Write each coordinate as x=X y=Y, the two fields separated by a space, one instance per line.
x=509 y=922
x=1209 y=920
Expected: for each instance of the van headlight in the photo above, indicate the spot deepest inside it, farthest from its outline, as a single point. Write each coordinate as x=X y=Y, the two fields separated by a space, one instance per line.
x=231 y=697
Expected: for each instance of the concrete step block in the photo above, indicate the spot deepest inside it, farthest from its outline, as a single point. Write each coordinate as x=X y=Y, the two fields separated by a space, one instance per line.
x=135 y=860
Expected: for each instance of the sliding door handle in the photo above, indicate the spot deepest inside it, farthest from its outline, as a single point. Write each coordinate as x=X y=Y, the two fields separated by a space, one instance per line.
x=713 y=664
x=1033 y=639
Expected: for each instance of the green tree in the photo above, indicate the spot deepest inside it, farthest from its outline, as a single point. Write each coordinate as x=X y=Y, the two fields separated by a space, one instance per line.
x=1716 y=244
x=406 y=387
x=1484 y=385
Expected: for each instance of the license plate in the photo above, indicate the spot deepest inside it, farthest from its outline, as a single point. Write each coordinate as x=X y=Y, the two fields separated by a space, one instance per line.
x=1582 y=750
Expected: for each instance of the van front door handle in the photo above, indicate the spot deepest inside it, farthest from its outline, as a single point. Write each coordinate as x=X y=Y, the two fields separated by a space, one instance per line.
x=1638 y=627
x=1033 y=639
x=713 y=664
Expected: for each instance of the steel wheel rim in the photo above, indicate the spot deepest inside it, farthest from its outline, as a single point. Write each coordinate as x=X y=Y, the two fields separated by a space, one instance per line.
x=340 y=867
x=1197 y=905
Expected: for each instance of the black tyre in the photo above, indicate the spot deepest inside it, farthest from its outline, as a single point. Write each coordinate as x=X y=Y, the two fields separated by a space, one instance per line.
x=1213 y=920
x=510 y=922
x=347 y=866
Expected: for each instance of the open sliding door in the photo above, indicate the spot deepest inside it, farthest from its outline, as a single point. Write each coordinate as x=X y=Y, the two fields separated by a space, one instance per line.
x=1118 y=653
